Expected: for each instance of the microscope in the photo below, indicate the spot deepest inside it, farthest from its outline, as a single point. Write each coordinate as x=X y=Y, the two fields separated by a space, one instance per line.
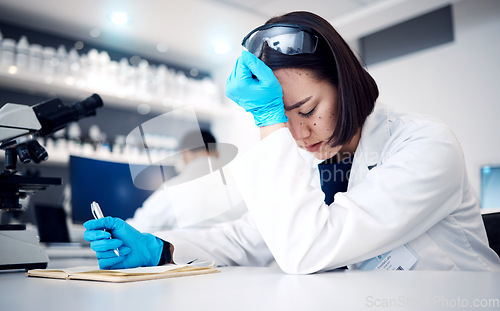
x=20 y=126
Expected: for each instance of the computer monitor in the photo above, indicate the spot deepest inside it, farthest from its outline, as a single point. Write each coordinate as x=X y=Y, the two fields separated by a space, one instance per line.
x=490 y=187
x=108 y=183
x=51 y=223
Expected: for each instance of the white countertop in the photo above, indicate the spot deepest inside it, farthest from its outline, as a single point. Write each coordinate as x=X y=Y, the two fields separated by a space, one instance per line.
x=256 y=288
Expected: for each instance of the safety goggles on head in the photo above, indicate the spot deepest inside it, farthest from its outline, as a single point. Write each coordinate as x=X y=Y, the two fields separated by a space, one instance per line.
x=288 y=39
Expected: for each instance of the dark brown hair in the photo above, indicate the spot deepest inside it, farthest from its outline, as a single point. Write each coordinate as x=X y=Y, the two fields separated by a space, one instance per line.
x=335 y=62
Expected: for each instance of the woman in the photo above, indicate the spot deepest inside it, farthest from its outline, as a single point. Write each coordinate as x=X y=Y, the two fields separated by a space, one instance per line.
x=335 y=181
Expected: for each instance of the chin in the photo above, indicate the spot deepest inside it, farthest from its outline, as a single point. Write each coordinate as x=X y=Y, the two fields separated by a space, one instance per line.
x=326 y=153
x=323 y=153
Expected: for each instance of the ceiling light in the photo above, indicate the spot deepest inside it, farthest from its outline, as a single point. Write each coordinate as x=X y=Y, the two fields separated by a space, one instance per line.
x=12 y=70
x=222 y=48
x=119 y=18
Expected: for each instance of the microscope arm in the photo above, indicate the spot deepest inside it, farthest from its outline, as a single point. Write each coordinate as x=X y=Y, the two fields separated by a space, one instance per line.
x=16 y=121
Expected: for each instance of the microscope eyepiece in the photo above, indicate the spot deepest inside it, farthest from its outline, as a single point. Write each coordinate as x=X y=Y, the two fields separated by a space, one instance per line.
x=54 y=115
x=87 y=107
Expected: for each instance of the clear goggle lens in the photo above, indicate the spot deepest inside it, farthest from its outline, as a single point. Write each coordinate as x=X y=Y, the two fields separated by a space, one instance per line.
x=290 y=40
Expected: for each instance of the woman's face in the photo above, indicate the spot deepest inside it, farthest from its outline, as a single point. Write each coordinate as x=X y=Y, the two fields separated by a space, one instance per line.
x=310 y=106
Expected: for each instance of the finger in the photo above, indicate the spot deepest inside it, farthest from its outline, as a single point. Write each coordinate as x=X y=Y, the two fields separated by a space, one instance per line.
x=231 y=82
x=256 y=66
x=92 y=235
x=233 y=73
x=94 y=224
x=106 y=254
x=243 y=71
x=105 y=245
x=111 y=263
x=110 y=223
x=124 y=250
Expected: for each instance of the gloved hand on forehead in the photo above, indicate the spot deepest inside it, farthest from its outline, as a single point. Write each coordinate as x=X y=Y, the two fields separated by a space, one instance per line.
x=136 y=249
x=253 y=86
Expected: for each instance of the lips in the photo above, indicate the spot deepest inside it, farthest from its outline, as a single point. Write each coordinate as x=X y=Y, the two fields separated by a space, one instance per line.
x=313 y=147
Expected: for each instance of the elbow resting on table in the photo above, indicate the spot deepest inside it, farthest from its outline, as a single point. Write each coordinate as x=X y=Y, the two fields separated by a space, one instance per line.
x=290 y=268
x=301 y=265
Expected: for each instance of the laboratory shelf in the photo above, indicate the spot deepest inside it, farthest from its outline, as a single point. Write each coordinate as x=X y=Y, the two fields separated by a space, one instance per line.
x=56 y=87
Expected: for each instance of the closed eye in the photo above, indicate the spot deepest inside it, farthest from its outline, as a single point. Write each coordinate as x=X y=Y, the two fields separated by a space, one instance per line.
x=308 y=114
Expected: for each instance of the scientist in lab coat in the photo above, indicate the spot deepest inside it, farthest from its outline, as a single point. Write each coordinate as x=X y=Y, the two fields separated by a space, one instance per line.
x=336 y=180
x=195 y=198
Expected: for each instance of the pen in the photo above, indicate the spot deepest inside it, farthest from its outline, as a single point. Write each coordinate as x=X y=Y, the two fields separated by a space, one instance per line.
x=97 y=212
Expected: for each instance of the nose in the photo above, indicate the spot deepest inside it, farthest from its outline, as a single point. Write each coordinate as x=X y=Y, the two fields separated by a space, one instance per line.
x=299 y=128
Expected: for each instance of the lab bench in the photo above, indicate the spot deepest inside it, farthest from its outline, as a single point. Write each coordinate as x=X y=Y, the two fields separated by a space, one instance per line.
x=255 y=288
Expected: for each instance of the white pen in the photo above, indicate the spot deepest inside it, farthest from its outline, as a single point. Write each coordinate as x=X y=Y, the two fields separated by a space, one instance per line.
x=97 y=212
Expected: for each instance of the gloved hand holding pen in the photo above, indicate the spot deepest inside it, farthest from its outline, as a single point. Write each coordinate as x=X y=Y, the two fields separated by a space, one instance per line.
x=253 y=86
x=136 y=249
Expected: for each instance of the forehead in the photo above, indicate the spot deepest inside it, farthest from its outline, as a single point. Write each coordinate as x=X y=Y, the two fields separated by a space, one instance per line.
x=285 y=75
x=297 y=84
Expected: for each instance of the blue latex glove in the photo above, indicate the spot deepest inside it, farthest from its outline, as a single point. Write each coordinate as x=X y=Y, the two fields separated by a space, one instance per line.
x=253 y=86
x=136 y=249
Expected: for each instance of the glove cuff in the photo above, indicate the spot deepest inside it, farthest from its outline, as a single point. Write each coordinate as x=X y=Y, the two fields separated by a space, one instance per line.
x=166 y=256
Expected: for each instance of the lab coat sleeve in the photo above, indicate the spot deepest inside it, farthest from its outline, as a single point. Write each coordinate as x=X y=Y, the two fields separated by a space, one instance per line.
x=416 y=186
x=155 y=214
x=228 y=244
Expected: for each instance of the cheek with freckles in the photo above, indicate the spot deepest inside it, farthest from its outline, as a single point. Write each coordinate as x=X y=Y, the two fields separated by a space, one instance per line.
x=323 y=125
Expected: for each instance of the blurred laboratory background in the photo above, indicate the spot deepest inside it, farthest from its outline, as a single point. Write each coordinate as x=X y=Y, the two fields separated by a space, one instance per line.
x=147 y=58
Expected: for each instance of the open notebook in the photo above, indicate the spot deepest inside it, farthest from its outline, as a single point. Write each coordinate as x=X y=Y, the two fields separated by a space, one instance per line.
x=92 y=273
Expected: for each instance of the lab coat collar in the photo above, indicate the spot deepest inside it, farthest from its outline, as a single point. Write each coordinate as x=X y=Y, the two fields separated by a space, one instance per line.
x=374 y=135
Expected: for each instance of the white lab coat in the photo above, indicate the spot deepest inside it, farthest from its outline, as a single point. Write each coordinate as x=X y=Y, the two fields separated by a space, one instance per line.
x=416 y=193
x=196 y=198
